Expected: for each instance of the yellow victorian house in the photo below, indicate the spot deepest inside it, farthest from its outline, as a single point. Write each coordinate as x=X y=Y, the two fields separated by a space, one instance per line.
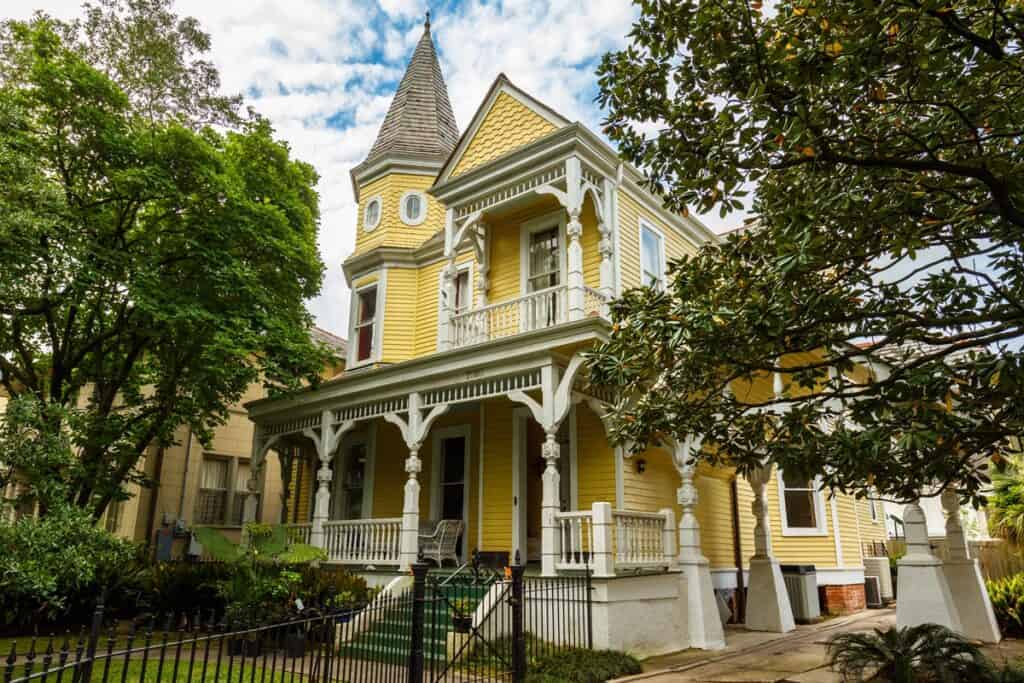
x=483 y=266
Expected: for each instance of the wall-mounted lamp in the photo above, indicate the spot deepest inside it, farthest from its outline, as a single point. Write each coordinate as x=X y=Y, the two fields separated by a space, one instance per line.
x=641 y=466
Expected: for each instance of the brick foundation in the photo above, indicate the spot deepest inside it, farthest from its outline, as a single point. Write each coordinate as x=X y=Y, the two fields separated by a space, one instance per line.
x=844 y=599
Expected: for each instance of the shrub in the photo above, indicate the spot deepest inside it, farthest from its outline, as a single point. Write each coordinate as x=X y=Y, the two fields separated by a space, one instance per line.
x=324 y=587
x=928 y=652
x=182 y=589
x=59 y=564
x=1007 y=597
x=582 y=666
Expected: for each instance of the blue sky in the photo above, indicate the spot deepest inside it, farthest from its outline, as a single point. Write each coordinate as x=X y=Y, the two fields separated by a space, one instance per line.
x=324 y=71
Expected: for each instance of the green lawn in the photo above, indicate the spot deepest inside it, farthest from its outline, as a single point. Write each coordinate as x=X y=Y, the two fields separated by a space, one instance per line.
x=241 y=670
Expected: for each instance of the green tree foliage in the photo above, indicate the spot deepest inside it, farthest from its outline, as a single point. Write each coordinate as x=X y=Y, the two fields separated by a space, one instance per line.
x=151 y=267
x=879 y=146
x=1005 y=504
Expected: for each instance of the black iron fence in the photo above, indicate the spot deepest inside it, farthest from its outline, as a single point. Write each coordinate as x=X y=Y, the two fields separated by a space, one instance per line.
x=471 y=625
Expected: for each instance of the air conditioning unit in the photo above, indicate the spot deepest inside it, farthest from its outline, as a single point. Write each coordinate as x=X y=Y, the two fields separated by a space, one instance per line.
x=802 y=586
x=873 y=592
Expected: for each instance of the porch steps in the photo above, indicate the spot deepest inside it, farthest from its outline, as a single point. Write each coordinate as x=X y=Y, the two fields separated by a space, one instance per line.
x=388 y=639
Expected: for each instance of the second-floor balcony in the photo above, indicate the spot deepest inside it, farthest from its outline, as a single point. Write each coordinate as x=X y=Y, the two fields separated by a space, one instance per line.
x=533 y=311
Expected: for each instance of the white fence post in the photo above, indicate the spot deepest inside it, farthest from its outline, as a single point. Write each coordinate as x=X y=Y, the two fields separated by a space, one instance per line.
x=601 y=521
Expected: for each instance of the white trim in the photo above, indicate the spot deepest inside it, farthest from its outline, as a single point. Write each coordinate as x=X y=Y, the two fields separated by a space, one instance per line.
x=424 y=207
x=371 y=467
x=368 y=227
x=463 y=431
x=459 y=267
x=538 y=224
x=645 y=224
x=835 y=530
x=378 y=324
x=340 y=460
x=819 y=511
x=480 y=480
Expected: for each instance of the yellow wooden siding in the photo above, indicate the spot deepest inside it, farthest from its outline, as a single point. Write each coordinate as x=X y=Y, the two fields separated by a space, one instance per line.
x=389 y=475
x=714 y=514
x=630 y=213
x=508 y=125
x=595 y=461
x=391 y=231
x=400 y=306
x=505 y=270
x=366 y=280
x=428 y=292
x=302 y=480
x=590 y=240
x=497 y=489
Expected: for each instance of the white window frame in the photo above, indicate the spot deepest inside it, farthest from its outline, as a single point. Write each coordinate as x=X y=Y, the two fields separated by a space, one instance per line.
x=367 y=441
x=819 y=510
x=367 y=226
x=466 y=266
x=232 y=492
x=464 y=432
x=423 y=211
x=378 y=322
x=644 y=224
x=540 y=224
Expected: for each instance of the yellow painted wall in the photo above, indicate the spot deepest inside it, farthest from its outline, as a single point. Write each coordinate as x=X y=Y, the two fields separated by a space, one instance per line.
x=630 y=212
x=590 y=240
x=497 y=489
x=507 y=126
x=595 y=461
x=391 y=231
x=398 y=342
x=428 y=286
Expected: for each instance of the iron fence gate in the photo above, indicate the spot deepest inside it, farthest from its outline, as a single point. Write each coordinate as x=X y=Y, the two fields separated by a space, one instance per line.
x=472 y=625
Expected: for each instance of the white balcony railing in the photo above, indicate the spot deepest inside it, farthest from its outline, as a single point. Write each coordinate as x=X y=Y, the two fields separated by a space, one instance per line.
x=534 y=311
x=363 y=541
x=609 y=541
x=298 y=533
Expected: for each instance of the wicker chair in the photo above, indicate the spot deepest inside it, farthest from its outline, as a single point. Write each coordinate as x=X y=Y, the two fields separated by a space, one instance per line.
x=440 y=545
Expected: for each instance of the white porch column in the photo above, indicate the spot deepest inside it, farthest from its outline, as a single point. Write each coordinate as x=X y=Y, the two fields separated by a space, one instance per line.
x=607 y=267
x=768 y=607
x=445 y=334
x=483 y=284
x=551 y=504
x=321 y=504
x=703 y=620
x=414 y=431
x=966 y=584
x=250 y=507
x=923 y=595
x=574 y=256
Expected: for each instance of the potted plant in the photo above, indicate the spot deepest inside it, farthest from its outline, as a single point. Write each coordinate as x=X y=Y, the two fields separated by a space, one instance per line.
x=462 y=615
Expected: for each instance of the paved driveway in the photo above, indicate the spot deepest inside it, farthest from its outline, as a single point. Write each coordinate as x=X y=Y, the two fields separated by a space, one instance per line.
x=797 y=657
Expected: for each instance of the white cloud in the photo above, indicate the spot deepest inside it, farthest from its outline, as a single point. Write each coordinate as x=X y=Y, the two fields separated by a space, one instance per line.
x=306 y=63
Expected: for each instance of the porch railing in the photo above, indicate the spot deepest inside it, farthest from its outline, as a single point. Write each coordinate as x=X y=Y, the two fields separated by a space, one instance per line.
x=609 y=541
x=363 y=541
x=534 y=311
x=298 y=533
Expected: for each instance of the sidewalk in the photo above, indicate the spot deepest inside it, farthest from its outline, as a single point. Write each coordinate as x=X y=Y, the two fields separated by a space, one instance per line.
x=795 y=657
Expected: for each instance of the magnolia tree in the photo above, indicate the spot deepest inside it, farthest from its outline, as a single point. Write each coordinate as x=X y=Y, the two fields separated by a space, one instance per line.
x=152 y=266
x=880 y=147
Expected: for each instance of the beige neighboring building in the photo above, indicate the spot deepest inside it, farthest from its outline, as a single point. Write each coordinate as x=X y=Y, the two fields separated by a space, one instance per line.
x=199 y=486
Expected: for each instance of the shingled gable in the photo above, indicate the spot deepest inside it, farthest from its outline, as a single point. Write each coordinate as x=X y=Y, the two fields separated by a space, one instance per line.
x=501 y=85
x=420 y=123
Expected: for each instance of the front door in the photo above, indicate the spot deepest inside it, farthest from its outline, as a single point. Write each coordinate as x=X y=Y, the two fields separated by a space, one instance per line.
x=452 y=481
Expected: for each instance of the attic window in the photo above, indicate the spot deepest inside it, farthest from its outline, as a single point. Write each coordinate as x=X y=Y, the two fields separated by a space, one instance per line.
x=371 y=214
x=413 y=207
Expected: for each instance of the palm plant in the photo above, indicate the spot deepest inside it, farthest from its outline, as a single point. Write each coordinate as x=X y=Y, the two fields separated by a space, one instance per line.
x=1006 y=504
x=912 y=654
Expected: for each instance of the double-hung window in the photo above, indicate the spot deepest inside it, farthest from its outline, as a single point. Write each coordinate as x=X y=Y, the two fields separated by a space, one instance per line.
x=544 y=271
x=652 y=257
x=223 y=487
x=366 y=323
x=803 y=507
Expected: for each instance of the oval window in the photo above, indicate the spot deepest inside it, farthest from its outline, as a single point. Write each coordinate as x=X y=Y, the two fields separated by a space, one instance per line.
x=413 y=207
x=371 y=215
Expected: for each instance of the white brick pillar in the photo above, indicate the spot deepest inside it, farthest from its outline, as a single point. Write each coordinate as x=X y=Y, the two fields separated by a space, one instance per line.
x=703 y=619
x=551 y=504
x=574 y=255
x=923 y=595
x=321 y=504
x=411 y=512
x=966 y=584
x=601 y=553
x=768 y=607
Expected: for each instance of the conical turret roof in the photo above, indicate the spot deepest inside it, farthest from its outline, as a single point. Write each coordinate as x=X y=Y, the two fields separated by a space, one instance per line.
x=420 y=121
